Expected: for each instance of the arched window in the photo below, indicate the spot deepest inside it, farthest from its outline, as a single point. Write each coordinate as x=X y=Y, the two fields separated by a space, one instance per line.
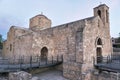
x=44 y=53
x=10 y=47
x=99 y=13
x=99 y=42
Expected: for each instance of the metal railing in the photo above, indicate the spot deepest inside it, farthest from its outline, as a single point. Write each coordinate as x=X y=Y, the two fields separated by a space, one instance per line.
x=29 y=62
x=110 y=63
x=114 y=58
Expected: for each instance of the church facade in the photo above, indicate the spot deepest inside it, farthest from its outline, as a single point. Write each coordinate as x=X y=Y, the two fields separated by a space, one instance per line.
x=80 y=42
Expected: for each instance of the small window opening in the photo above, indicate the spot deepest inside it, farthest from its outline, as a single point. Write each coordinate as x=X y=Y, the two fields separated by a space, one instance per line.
x=99 y=13
x=106 y=16
x=99 y=42
x=10 y=47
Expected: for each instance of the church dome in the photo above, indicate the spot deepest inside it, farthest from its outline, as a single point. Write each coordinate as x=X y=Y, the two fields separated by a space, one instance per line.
x=39 y=22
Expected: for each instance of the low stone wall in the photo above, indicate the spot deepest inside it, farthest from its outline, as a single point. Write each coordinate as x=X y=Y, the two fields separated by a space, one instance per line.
x=72 y=71
x=20 y=76
x=95 y=76
x=106 y=76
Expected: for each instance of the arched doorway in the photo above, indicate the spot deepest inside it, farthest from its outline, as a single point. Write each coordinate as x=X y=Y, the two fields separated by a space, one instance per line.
x=44 y=53
x=99 y=50
x=99 y=55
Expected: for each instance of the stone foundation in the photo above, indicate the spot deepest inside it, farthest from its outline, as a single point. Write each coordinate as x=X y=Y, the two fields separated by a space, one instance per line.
x=72 y=71
x=106 y=76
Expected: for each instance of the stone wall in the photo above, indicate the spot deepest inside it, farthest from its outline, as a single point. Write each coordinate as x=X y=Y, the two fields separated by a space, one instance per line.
x=74 y=57
x=76 y=41
x=95 y=28
x=8 y=52
x=17 y=43
x=106 y=76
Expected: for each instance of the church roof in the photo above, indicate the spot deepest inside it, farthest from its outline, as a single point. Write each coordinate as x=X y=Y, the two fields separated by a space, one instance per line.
x=17 y=27
x=102 y=5
x=89 y=18
x=40 y=15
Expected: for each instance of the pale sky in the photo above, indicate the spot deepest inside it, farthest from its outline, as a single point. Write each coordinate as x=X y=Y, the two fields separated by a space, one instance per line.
x=18 y=12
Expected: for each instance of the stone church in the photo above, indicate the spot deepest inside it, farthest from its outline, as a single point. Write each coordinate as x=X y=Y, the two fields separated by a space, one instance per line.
x=80 y=42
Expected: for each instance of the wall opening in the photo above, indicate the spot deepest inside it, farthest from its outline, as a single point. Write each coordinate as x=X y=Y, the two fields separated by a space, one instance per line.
x=99 y=42
x=99 y=55
x=44 y=53
x=99 y=13
x=10 y=47
x=99 y=50
x=106 y=16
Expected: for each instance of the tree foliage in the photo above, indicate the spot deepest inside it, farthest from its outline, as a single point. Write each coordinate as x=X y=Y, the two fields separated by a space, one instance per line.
x=1 y=42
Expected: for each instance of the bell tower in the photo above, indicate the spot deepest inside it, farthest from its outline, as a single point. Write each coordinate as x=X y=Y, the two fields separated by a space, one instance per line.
x=103 y=12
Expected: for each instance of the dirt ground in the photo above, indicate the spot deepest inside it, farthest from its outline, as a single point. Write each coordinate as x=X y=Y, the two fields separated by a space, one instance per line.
x=50 y=75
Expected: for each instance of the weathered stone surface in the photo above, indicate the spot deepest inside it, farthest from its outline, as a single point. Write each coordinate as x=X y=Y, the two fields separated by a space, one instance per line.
x=106 y=76
x=39 y=22
x=80 y=42
x=20 y=76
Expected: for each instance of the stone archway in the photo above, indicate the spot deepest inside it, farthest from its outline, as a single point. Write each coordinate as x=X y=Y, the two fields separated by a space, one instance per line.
x=44 y=53
x=99 y=50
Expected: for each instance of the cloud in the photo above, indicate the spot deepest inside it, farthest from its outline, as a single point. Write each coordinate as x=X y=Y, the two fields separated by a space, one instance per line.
x=18 y=12
x=6 y=22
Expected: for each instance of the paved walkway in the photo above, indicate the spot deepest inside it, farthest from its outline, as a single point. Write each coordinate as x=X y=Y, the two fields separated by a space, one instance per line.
x=50 y=75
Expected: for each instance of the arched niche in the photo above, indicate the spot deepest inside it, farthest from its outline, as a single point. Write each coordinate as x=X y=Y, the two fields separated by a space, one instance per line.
x=44 y=53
